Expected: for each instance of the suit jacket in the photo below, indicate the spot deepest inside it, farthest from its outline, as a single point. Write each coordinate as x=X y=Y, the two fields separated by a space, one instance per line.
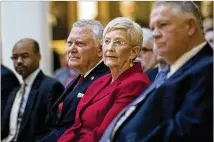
x=37 y=115
x=152 y=74
x=70 y=102
x=8 y=83
x=180 y=110
x=102 y=102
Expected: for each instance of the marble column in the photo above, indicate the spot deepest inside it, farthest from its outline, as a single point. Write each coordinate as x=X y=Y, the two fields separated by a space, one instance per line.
x=26 y=20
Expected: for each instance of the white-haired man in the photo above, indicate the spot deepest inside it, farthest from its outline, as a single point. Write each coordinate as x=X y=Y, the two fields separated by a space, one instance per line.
x=84 y=51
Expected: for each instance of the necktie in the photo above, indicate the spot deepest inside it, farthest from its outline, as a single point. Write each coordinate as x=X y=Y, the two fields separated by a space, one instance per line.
x=161 y=76
x=70 y=78
x=21 y=110
x=79 y=81
x=61 y=104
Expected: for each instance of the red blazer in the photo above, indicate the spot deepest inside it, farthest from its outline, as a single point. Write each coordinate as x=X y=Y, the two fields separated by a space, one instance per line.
x=102 y=102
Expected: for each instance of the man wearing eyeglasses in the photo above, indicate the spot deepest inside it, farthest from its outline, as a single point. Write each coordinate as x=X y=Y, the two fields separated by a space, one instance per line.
x=27 y=112
x=146 y=56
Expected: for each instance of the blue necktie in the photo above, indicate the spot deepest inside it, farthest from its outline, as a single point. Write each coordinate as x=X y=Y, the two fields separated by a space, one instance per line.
x=161 y=76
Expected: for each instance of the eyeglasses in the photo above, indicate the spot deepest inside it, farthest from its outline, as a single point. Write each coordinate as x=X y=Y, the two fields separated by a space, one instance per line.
x=116 y=43
x=145 y=50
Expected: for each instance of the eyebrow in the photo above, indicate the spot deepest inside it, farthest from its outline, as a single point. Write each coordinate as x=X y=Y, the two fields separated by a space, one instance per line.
x=115 y=38
x=21 y=53
x=144 y=48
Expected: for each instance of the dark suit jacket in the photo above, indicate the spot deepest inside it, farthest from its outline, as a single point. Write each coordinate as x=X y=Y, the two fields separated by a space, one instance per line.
x=181 y=110
x=37 y=115
x=70 y=101
x=8 y=83
x=152 y=74
x=103 y=101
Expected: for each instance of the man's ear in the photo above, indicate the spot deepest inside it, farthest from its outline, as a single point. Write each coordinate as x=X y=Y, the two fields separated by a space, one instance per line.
x=192 y=25
x=100 y=51
x=39 y=56
x=135 y=51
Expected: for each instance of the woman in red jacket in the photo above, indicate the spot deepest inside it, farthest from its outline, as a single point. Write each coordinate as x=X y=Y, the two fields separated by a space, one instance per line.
x=109 y=94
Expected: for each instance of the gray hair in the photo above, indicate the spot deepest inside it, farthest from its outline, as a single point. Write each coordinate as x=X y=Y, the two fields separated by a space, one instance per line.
x=186 y=7
x=133 y=29
x=97 y=28
x=147 y=34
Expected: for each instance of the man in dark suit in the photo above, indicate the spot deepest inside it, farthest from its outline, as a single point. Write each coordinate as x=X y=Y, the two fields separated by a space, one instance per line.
x=84 y=51
x=9 y=82
x=181 y=109
x=27 y=113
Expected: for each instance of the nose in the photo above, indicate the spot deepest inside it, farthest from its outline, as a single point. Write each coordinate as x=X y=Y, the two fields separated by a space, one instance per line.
x=110 y=47
x=156 y=33
x=19 y=60
x=72 y=48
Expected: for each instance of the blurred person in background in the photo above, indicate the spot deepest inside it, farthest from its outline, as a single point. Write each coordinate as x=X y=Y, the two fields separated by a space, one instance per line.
x=209 y=36
x=161 y=65
x=27 y=113
x=65 y=74
x=147 y=57
x=208 y=30
x=9 y=82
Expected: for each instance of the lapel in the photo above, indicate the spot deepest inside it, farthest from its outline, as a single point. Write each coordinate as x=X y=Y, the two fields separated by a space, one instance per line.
x=207 y=50
x=79 y=89
x=107 y=88
x=204 y=52
x=68 y=89
x=6 y=113
x=31 y=99
x=98 y=71
x=108 y=132
x=92 y=98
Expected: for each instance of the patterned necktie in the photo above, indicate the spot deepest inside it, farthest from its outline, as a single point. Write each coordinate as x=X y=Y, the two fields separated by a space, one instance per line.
x=161 y=76
x=61 y=104
x=22 y=92
x=21 y=110
x=79 y=81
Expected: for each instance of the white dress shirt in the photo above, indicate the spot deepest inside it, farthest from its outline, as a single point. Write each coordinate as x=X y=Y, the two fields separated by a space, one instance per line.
x=92 y=68
x=16 y=106
x=184 y=58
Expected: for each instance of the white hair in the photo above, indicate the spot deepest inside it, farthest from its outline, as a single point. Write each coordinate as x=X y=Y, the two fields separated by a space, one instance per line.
x=147 y=34
x=97 y=28
x=133 y=29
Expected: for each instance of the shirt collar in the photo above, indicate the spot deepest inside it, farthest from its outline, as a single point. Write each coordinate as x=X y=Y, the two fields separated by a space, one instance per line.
x=30 y=79
x=184 y=58
x=92 y=68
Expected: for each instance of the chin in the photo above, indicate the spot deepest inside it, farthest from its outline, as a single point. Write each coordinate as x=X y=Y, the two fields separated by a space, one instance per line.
x=73 y=65
x=110 y=65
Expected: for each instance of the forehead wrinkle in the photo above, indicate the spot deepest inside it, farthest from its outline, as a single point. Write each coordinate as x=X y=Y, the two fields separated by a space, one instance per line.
x=84 y=33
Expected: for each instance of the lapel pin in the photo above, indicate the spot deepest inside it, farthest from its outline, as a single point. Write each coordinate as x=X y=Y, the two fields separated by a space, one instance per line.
x=92 y=78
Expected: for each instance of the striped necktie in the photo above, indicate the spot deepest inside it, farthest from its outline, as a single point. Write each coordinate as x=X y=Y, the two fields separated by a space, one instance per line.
x=21 y=110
